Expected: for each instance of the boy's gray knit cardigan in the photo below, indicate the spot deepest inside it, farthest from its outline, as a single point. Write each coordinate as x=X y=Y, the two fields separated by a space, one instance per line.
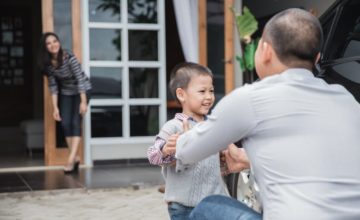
x=202 y=179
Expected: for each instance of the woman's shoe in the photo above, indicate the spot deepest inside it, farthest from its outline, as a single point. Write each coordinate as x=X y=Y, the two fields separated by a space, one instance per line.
x=76 y=165
x=74 y=169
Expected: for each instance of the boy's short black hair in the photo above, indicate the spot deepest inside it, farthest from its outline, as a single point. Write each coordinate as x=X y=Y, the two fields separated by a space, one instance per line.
x=296 y=36
x=182 y=73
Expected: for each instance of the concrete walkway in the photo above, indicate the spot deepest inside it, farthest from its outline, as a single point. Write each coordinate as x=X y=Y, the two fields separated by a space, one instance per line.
x=145 y=203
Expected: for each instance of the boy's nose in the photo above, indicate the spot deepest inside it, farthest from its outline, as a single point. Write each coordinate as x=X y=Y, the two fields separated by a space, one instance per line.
x=208 y=95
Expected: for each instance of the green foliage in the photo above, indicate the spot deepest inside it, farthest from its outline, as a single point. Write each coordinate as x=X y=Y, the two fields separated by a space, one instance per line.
x=245 y=23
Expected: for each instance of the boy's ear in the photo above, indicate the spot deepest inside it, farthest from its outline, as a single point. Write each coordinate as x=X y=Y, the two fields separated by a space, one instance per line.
x=180 y=94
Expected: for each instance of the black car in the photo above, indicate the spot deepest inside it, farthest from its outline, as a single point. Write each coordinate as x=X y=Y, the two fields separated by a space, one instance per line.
x=339 y=64
x=340 y=60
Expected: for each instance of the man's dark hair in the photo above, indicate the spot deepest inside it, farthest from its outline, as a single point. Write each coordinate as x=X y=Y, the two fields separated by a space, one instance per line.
x=296 y=36
x=182 y=73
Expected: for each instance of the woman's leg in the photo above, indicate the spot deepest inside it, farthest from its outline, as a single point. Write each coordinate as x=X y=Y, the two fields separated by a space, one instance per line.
x=221 y=207
x=73 y=144
x=71 y=122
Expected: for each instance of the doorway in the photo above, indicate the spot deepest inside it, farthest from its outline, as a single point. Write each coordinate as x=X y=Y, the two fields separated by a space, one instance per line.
x=21 y=94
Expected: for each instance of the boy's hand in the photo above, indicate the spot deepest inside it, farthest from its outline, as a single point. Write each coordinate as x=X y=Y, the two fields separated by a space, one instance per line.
x=170 y=146
x=186 y=125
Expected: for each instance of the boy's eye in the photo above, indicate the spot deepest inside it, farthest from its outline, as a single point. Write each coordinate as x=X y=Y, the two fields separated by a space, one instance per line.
x=202 y=91
x=211 y=90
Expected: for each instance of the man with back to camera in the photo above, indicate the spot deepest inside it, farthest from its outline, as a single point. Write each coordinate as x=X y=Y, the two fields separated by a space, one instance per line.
x=301 y=135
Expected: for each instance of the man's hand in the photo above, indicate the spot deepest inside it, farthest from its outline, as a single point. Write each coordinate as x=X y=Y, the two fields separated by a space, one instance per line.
x=170 y=146
x=236 y=159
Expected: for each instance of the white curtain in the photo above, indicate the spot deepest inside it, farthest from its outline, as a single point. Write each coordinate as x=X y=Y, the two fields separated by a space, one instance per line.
x=186 y=13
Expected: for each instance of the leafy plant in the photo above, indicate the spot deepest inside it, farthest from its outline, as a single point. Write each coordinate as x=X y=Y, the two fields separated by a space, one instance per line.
x=246 y=25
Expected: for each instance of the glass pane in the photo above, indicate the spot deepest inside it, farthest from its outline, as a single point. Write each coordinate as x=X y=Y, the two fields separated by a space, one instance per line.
x=62 y=22
x=106 y=121
x=143 y=45
x=143 y=83
x=104 y=10
x=144 y=120
x=105 y=44
x=215 y=45
x=142 y=11
x=106 y=82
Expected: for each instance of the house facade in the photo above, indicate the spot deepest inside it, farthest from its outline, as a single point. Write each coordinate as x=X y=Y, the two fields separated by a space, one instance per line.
x=126 y=47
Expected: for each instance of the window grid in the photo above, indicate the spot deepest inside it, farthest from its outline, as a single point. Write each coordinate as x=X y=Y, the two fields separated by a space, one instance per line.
x=125 y=102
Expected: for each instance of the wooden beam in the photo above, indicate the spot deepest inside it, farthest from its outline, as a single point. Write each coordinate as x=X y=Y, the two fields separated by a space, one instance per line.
x=76 y=28
x=76 y=42
x=49 y=123
x=202 y=32
x=229 y=46
x=47 y=15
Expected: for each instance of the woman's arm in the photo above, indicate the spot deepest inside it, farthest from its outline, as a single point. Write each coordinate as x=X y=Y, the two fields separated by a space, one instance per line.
x=78 y=74
x=83 y=104
x=56 y=113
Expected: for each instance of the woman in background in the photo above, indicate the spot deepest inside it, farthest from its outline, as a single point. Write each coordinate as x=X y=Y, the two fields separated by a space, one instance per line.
x=70 y=90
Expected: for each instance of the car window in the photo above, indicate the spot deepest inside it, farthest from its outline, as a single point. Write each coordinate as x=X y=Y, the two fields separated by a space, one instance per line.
x=347 y=25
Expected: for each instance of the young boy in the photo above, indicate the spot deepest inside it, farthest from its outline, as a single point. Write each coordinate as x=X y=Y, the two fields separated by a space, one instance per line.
x=192 y=86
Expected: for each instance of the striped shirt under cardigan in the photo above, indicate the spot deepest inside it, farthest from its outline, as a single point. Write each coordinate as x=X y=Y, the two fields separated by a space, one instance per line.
x=68 y=79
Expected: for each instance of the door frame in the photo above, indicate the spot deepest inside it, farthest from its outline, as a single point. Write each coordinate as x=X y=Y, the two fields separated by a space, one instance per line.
x=56 y=155
x=229 y=44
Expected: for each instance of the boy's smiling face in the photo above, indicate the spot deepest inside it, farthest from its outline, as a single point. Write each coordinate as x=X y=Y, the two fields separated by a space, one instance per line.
x=198 y=97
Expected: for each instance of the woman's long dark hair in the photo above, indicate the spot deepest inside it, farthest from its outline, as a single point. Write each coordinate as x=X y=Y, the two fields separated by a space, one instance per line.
x=44 y=58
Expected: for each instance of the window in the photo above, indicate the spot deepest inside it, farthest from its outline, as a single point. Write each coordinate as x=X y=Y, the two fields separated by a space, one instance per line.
x=127 y=68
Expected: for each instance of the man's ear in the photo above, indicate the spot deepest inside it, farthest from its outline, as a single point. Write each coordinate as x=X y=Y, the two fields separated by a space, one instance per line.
x=267 y=52
x=317 y=59
x=180 y=93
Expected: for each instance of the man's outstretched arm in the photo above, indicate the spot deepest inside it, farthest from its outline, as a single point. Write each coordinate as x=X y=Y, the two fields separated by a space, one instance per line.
x=232 y=118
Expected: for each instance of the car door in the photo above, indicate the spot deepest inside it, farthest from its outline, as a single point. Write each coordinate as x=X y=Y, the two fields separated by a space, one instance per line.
x=340 y=60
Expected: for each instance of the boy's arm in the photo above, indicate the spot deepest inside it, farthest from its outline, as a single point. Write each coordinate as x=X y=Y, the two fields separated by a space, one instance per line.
x=156 y=157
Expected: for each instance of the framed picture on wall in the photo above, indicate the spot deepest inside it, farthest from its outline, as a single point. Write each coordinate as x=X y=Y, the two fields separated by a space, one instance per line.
x=17 y=52
x=6 y=23
x=7 y=37
x=3 y=50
